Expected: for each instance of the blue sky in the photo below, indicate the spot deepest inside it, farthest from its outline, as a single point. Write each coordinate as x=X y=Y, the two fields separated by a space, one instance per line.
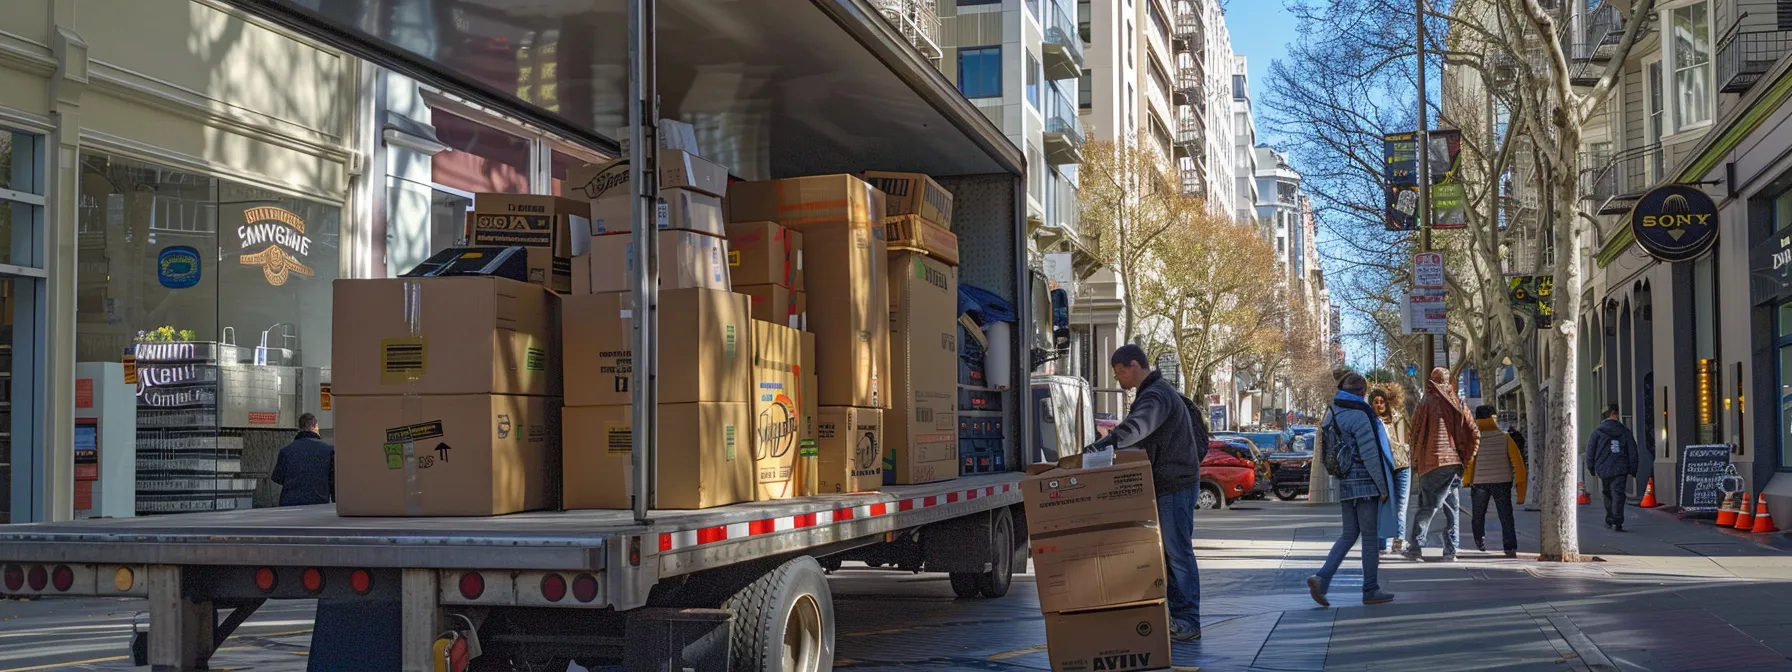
x=1261 y=30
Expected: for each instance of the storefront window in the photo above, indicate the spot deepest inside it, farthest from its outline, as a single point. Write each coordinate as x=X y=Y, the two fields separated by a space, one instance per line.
x=221 y=292
x=21 y=219
x=1710 y=375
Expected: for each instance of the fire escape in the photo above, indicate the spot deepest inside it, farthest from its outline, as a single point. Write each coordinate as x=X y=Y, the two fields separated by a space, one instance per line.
x=1188 y=47
x=916 y=21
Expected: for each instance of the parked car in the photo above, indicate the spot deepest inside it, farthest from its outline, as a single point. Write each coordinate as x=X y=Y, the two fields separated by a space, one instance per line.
x=1258 y=455
x=1302 y=430
x=1228 y=472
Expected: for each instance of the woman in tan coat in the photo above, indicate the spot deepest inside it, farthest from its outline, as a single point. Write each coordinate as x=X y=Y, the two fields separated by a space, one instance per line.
x=1389 y=402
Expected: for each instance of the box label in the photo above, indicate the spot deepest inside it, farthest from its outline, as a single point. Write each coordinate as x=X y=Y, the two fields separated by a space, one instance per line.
x=513 y=230
x=734 y=257
x=403 y=360
x=730 y=342
x=728 y=442
x=414 y=433
x=867 y=457
x=394 y=456
x=618 y=439
x=535 y=359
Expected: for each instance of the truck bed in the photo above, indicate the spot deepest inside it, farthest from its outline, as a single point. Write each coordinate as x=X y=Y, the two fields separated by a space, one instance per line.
x=680 y=541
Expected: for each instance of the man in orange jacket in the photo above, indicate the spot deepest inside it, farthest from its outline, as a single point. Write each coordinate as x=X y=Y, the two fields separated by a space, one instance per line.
x=1443 y=439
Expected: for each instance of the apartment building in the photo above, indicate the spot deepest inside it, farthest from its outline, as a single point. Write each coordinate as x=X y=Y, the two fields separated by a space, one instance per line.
x=1244 y=146
x=1278 y=203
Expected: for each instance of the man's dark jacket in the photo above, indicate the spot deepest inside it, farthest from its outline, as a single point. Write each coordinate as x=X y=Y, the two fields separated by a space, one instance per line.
x=1602 y=460
x=1159 y=424
x=306 y=471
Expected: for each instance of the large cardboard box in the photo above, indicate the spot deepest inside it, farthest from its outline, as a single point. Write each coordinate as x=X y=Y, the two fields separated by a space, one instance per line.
x=764 y=253
x=553 y=228
x=704 y=456
x=777 y=303
x=921 y=429
x=679 y=209
x=913 y=194
x=1123 y=639
x=688 y=260
x=1099 y=567
x=799 y=202
x=673 y=135
x=910 y=232
x=1067 y=497
x=453 y=335
x=851 y=457
x=446 y=455
x=809 y=448
x=781 y=411
x=704 y=346
x=678 y=170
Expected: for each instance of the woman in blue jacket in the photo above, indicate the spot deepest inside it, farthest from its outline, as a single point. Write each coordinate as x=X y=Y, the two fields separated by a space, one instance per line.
x=1363 y=492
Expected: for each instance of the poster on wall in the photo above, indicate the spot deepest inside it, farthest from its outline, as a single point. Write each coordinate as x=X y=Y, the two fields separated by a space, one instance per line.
x=1702 y=471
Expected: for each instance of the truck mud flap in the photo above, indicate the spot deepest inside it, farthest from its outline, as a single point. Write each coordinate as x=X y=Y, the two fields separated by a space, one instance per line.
x=675 y=640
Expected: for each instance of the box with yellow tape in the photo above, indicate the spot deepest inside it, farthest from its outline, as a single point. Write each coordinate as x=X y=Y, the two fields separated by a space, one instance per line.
x=446 y=335
x=705 y=456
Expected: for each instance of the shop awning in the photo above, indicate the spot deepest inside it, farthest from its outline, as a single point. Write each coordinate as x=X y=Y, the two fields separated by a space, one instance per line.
x=776 y=88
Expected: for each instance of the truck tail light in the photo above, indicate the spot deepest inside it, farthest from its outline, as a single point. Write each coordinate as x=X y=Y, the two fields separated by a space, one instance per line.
x=360 y=581
x=584 y=588
x=15 y=578
x=124 y=579
x=37 y=577
x=313 y=579
x=62 y=578
x=265 y=579
x=472 y=585
x=553 y=587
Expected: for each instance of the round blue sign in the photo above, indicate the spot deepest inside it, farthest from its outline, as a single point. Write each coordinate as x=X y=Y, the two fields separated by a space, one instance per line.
x=1674 y=222
x=178 y=267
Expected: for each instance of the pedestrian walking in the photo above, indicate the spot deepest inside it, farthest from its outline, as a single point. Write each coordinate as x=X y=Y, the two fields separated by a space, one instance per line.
x=1495 y=471
x=1361 y=445
x=1611 y=455
x=1389 y=402
x=1444 y=438
x=1159 y=423
x=306 y=468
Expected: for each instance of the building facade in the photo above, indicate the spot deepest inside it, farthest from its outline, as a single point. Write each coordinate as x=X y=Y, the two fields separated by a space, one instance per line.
x=1244 y=146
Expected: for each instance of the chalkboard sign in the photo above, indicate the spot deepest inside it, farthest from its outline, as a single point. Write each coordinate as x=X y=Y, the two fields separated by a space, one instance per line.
x=1702 y=470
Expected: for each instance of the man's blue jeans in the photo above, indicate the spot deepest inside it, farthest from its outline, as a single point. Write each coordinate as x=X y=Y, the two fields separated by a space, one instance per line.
x=1176 y=521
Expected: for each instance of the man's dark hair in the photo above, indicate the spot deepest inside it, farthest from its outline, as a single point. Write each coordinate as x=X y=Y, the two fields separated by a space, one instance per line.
x=1483 y=412
x=307 y=421
x=1129 y=354
x=1611 y=411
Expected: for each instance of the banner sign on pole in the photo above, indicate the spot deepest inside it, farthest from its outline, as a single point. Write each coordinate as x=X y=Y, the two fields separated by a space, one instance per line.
x=1400 y=156
x=1423 y=312
x=1449 y=204
x=1428 y=270
x=1400 y=167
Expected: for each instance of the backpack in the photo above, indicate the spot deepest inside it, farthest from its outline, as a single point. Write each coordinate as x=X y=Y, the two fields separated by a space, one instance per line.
x=1198 y=428
x=1331 y=445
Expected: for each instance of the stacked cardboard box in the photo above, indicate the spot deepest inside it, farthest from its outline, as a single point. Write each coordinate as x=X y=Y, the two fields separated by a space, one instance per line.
x=839 y=218
x=553 y=229
x=693 y=253
x=1099 y=560
x=766 y=262
x=447 y=395
x=921 y=428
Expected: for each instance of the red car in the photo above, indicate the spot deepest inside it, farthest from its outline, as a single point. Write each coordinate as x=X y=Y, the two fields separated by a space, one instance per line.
x=1227 y=473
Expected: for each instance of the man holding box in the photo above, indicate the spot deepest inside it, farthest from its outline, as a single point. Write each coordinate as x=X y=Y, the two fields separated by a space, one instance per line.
x=1158 y=423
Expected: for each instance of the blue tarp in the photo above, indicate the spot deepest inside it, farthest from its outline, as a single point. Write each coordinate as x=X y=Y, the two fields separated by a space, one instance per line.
x=984 y=306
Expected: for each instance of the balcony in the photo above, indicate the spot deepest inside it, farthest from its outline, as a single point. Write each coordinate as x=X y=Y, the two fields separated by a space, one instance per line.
x=1194 y=179
x=917 y=21
x=1189 y=89
x=1615 y=184
x=1062 y=49
x=1591 y=40
x=1191 y=134
x=1189 y=33
x=1743 y=57
x=1063 y=130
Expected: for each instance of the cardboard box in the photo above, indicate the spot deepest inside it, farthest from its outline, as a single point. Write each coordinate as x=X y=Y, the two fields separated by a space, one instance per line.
x=680 y=209
x=780 y=409
x=674 y=135
x=777 y=303
x=703 y=340
x=764 y=253
x=913 y=194
x=472 y=335
x=799 y=202
x=528 y=220
x=688 y=260
x=704 y=456
x=921 y=429
x=848 y=310
x=1124 y=638
x=851 y=456
x=1067 y=497
x=1099 y=567
x=546 y=267
x=809 y=448
x=678 y=170
x=910 y=232
x=469 y=454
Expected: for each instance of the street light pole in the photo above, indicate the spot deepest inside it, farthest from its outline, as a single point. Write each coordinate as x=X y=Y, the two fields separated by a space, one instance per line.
x=1429 y=358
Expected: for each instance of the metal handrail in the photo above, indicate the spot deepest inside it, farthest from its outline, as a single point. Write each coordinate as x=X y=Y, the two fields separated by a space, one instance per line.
x=1624 y=176
x=1063 y=117
x=1601 y=27
x=1063 y=32
x=1743 y=57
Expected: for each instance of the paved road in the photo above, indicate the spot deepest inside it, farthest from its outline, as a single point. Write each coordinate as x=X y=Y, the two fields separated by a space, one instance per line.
x=1670 y=595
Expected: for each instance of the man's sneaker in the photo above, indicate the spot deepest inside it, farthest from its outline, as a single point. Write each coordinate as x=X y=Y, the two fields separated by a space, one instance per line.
x=1608 y=524
x=1481 y=545
x=1618 y=528
x=1316 y=588
x=1184 y=633
x=1511 y=554
x=1413 y=554
x=1378 y=597
x=1448 y=557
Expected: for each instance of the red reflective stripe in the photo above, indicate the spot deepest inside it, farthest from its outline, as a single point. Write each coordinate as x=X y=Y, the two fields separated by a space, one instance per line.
x=989 y=491
x=665 y=542
x=970 y=494
x=710 y=535
x=878 y=509
x=931 y=501
x=760 y=526
x=805 y=520
x=906 y=505
x=951 y=497
x=842 y=514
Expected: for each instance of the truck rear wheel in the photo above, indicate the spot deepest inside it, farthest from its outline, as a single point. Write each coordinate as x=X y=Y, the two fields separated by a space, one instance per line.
x=784 y=621
x=1002 y=548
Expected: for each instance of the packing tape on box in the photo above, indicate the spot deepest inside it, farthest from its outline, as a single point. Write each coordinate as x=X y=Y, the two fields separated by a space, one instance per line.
x=412 y=402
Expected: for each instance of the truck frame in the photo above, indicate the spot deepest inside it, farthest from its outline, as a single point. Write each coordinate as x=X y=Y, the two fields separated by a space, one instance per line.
x=739 y=587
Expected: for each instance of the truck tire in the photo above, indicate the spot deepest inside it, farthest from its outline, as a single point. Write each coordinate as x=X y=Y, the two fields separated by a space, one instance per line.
x=1002 y=547
x=784 y=621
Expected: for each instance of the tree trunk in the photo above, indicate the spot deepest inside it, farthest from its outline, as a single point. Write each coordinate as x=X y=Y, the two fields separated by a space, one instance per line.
x=1560 y=533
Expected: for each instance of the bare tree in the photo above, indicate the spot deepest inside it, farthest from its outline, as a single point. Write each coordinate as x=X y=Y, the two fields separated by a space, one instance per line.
x=1128 y=204
x=1218 y=290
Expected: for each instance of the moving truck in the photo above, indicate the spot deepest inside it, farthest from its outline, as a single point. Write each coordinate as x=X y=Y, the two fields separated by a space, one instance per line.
x=737 y=587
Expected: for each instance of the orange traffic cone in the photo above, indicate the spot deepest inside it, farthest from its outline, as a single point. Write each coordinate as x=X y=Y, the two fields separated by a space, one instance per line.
x=1726 y=514
x=1583 y=498
x=1745 y=517
x=1763 y=518
x=1649 y=496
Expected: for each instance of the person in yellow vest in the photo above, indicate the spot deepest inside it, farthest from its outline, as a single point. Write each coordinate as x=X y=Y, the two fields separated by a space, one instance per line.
x=1496 y=470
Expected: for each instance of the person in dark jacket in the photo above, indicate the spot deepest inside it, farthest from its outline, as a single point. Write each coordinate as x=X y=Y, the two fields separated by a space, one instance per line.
x=1611 y=455
x=306 y=468
x=1158 y=423
x=1364 y=491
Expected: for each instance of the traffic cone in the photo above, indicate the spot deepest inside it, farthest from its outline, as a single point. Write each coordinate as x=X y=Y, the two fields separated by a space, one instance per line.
x=1649 y=496
x=1745 y=517
x=1763 y=518
x=1726 y=514
x=1584 y=498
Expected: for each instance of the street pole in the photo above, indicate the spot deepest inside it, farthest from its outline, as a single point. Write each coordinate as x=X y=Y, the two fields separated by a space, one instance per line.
x=1428 y=359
